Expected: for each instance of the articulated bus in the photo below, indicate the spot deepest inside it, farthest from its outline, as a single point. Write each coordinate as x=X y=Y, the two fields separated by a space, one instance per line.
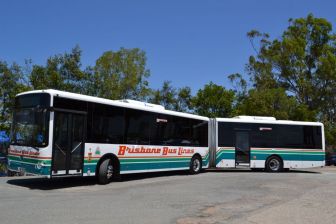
x=58 y=134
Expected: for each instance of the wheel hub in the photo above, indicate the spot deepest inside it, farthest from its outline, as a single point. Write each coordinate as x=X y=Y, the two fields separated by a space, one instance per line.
x=109 y=171
x=196 y=165
x=274 y=164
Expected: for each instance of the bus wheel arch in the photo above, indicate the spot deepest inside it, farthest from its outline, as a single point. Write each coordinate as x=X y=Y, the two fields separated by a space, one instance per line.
x=195 y=164
x=108 y=168
x=274 y=163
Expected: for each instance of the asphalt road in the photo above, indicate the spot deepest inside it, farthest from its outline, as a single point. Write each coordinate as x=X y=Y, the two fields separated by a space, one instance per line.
x=238 y=196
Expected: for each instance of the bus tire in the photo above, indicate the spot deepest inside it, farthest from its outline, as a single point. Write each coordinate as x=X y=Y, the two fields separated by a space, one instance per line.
x=106 y=171
x=274 y=164
x=195 y=165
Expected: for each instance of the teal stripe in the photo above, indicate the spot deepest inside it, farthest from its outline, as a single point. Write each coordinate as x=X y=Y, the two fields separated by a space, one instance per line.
x=289 y=157
x=143 y=165
x=225 y=154
x=29 y=168
x=152 y=166
x=286 y=152
x=205 y=160
x=29 y=160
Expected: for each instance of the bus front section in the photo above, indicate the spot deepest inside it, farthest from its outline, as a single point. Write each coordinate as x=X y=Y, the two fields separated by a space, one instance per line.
x=30 y=151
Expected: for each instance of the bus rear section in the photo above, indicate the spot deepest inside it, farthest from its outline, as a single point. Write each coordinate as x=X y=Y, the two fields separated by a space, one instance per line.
x=267 y=143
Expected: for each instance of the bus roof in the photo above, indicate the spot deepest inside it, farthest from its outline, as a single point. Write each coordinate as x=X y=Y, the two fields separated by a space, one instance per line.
x=120 y=103
x=265 y=120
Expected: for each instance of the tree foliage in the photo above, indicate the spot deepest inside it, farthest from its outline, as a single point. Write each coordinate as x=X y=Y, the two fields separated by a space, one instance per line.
x=120 y=75
x=62 y=72
x=12 y=81
x=213 y=101
x=273 y=102
x=303 y=63
x=172 y=98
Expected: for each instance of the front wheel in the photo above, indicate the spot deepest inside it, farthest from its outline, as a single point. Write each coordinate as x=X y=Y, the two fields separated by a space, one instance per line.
x=195 y=165
x=274 y=164
x=106 y=171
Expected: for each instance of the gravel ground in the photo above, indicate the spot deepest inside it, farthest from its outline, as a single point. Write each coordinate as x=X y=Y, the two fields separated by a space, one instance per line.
x=221 y=196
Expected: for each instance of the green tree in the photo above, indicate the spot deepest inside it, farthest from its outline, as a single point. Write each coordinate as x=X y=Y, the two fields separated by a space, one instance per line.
x=166 y=96
x=214 y=101
x=61 y=72
x=12 y=82
x=183 y=100
x=302 y=62
x=273 y=102
x=120 y=74
x=172 y=98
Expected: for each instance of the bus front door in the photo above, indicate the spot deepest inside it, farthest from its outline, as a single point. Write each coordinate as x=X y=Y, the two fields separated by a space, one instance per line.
x=68 y=144
x=242 y=148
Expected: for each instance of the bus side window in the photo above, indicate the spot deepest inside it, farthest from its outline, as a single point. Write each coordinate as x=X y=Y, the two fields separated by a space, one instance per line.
x=137 y=127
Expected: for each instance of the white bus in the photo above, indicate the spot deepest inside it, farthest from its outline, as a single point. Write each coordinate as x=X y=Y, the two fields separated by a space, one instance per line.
x=56 y=133
x=266 y=143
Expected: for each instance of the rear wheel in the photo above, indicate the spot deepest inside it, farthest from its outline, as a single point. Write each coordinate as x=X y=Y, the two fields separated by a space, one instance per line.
x=195 y=165
x=274 y=164
x=106 y=171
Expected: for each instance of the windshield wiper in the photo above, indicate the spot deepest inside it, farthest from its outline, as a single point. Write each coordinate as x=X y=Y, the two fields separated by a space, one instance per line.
x=37 y=149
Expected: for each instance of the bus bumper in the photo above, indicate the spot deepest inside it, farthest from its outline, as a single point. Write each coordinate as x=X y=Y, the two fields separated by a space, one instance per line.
x=28 y=168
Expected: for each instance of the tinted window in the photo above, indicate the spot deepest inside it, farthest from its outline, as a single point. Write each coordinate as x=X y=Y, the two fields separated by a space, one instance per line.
x=264 y=135
x=69 y=104
x=290 y=136
x=138 y=127
x=178 y=131
x=116 y=125
x=108 y=124
x=32 y=100
x=158 y=129
x=226 y=135
x=272 y=136
x=200 y=133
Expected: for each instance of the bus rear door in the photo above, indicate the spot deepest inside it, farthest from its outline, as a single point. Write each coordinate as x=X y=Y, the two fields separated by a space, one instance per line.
x=242 y=148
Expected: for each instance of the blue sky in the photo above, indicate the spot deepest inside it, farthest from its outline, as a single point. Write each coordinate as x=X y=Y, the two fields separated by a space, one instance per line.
x=188 y=42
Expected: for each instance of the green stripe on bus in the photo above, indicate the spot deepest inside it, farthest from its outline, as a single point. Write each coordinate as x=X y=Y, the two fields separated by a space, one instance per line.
x=29 y=160
x=29 y=168
x=288 y=152
x=150 y=166
x=142 y=166
x=289 y=157
x=225 y=154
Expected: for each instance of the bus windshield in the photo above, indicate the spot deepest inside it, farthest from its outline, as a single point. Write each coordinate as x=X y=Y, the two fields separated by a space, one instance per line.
x=31 y=120
x=30 y=127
